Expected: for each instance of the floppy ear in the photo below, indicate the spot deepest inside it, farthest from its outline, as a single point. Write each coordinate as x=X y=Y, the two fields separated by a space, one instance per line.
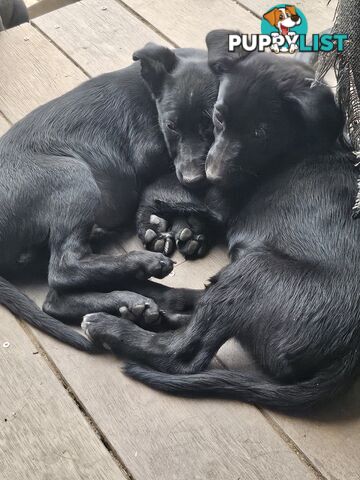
x=156 y=63
x=219 y=58
x=271 y=17
x=316 y=107
x=291 y=9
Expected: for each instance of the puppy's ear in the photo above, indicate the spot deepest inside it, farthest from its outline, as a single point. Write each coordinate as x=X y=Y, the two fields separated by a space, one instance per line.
x=320 y=115
x=219 y=58
x=156 y=63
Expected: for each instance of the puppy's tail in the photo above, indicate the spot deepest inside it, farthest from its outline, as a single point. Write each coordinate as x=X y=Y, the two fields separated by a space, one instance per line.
x=23 y=307
x=254 y=389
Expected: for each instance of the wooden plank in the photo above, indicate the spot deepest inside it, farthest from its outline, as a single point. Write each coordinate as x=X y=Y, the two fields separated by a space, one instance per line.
x=28 y=3
x=329 y=438
x=4 y=124
x=99 y=36
x=33 y=71
x=43 y=433
x=41 y=7
x=187 y=22
x=319 y=14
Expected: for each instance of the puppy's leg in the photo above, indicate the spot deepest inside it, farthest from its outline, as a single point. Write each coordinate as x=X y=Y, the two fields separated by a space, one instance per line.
x=176 y=304
x=149 y=304
x=71 y=214
x=172 y=300
x=187 y=349
x=71 y=307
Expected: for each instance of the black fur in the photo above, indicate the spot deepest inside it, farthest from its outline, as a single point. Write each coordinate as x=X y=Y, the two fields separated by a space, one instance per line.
x=84 y=158
x=290 y=294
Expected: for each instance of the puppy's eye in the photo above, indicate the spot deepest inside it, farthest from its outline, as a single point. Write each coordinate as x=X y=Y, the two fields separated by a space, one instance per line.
x=171 y=126
x=218 y=119
x=260 y=132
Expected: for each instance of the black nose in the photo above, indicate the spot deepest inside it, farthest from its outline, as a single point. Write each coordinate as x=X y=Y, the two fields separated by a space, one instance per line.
x=192 y=180
x=295 y=18
x=213 y=178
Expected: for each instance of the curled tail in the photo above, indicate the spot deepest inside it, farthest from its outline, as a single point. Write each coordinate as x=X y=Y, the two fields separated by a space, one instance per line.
x=253 y=388
x=23 y=307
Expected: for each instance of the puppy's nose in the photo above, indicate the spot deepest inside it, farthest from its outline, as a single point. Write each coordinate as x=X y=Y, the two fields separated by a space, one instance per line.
x=213 y=177
x=295 y=18
x=192 y=179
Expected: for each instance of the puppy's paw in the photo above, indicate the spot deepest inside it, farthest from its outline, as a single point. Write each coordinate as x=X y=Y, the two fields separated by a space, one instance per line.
x=102 y=329
x=138 y=309
x=190 y=238
x=149 y=264
x=157 y=238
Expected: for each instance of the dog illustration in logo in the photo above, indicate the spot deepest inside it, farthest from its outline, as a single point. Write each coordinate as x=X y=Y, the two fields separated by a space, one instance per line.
x=284 y=19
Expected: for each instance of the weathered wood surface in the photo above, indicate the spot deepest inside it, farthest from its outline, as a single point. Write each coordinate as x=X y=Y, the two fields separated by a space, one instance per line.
x=43 y=434
x=156 y=436
x=99 y=36
x=187 y=22
x=33 y=71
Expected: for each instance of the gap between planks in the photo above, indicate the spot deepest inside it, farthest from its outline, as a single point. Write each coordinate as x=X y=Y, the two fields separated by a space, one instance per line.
x=74 y=62
x=147 y=23
x=80 y=406
x=248 y=9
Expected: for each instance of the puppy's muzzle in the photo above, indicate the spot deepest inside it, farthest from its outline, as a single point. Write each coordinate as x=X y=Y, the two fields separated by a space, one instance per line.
x=191 y=180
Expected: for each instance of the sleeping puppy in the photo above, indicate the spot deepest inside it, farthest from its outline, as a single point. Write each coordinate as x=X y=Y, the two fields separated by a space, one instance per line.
x=84 y=159
x=290 y=294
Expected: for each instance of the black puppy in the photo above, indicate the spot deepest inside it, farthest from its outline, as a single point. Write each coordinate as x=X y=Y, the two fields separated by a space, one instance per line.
x=290 y=294
x=84 y=158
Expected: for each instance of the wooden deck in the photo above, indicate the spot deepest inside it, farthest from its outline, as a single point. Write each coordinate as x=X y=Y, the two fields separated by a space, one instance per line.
x=66 y=415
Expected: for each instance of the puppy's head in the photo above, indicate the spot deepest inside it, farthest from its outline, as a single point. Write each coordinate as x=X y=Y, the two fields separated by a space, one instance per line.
x=266 y=112
x=185 y=91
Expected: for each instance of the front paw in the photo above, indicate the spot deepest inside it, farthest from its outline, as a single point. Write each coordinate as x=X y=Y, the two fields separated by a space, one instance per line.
x=103 y=329
x=149 y=264
x=137 y=308
x=190 y=238
x=156 y=237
